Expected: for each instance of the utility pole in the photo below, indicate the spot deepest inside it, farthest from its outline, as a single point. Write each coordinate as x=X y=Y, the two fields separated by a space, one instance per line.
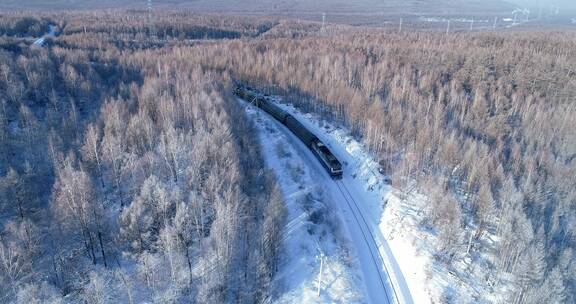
x=400 y=26
x=323 y=30
x=151 y=30
x=321 y=269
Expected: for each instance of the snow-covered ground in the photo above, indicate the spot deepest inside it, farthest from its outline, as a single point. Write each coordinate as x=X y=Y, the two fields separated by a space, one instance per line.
x=370 y=192
x=384 y=253
x=370 y=271
x=406 y=246
x=313 y=227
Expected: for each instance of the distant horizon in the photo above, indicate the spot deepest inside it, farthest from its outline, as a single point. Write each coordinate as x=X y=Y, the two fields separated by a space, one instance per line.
x=386 y=7
x=278 y=6
x=363 y=12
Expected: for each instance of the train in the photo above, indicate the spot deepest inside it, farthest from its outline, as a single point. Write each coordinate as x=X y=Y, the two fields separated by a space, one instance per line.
x=318 y=148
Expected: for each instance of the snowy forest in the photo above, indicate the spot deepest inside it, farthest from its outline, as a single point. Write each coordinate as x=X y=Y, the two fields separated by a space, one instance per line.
x=129 y=173
x=127 y=176
x=482 y=123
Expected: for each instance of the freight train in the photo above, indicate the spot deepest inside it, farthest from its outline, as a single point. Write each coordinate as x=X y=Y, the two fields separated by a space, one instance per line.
x=318 y=148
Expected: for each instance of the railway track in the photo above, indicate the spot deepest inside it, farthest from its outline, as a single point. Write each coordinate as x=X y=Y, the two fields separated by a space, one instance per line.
x=309 y=139
x=369 y=239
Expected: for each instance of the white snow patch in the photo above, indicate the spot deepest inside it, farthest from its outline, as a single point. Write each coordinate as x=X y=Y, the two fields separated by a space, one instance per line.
x=51 y=33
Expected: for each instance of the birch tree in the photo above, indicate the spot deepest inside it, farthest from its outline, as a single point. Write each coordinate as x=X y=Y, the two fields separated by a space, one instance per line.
x=76 y=210
x=91 y=149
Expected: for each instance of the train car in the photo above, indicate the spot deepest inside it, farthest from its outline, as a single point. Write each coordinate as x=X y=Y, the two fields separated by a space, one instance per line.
x=328 y=160
x=322 y=153
x=246 y=95
x=319 y=149
x=273 y=110
x=243 y=93
x=300 y=131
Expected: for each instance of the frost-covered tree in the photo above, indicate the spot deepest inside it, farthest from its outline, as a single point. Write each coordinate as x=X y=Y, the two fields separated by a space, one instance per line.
x=91 y=150
x=100 y=289
x=186 y=233
x=78 y=213
x=39 y=293
x=15 y=194
x=274 y=218
x=113 y=145
x=19 y=251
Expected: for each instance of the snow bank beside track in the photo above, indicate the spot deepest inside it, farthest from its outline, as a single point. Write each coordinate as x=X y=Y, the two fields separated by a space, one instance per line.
x=312 y=226
x=380 y=206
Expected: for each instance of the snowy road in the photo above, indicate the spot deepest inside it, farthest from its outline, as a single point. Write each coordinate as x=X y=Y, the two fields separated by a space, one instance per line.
x=373 y=258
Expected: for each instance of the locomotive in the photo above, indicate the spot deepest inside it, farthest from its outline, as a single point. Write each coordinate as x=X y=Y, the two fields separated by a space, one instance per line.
x=318 y=148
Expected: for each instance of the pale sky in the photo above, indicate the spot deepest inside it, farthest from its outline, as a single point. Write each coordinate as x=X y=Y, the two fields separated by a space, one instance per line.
x=564 y=4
